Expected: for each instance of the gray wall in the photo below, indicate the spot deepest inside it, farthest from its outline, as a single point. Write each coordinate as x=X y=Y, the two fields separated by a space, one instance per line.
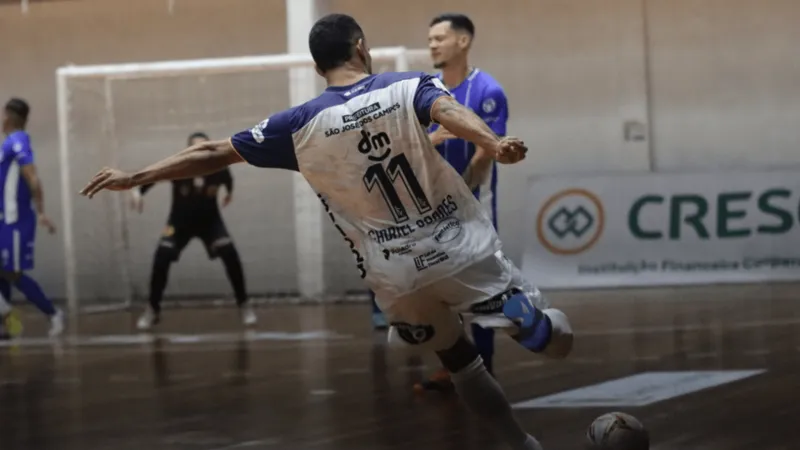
x=716 y=81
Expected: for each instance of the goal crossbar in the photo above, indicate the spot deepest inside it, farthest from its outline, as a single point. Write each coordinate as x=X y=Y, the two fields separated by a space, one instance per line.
x=212 y=65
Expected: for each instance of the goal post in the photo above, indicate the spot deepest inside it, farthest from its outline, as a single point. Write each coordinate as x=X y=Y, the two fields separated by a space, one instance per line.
x=132 y=114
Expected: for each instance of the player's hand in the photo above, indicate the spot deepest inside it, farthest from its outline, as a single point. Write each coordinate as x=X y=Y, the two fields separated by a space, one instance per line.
x=510 y=150
x=108 y=178
x=45 y=222
x=227 y=199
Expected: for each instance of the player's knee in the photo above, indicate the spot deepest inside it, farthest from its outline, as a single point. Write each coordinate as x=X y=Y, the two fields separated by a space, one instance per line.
x=11 y=277
x=419 y=336
x=424 y=337
x=165 y=255
x=225 y=249
x=561 y=336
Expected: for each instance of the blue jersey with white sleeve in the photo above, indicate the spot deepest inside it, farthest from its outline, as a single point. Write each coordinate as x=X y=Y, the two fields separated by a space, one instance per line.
x=17 y=204
x=481 y=93
x=405 y=213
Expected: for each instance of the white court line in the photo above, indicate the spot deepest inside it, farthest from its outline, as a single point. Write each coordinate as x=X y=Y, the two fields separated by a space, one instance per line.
x=177 y=339
x=322 y=392
x=672 y=329
x=330 y=339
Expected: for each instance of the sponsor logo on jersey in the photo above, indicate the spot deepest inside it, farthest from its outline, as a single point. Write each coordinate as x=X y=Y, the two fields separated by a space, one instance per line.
x=366 y=117
x=377 y=141
x=402 y=250
x=258 y=131
x=447 y=230
x=430 y=259
x=361 y=113
x=494 y=304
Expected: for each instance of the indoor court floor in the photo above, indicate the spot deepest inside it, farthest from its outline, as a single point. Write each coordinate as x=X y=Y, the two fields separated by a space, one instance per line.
x=711 y=368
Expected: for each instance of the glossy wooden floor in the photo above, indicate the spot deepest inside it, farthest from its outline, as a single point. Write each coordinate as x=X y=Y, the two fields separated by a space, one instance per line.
x=202 y=384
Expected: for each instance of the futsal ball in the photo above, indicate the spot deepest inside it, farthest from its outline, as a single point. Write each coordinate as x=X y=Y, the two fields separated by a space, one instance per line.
x=617 y=431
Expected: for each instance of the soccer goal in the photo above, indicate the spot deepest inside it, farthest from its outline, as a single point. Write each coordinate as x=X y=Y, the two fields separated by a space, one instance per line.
x=132 y=114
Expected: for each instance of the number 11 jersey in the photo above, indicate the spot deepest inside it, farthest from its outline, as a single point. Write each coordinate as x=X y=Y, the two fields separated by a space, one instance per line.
x=407 y=215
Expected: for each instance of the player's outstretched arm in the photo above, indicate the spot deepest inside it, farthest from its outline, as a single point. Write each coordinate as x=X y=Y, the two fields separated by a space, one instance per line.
x=227 y=181
x=464 y=123
x=31 y=177
x=197 y=160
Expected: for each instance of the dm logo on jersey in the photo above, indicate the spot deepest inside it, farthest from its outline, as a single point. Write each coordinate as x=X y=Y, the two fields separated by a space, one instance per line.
x=377 y=141
x=570 y=222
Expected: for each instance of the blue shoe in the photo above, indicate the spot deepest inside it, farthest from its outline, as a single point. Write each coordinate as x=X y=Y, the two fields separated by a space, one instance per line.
x=535 y=328
x=378 y=321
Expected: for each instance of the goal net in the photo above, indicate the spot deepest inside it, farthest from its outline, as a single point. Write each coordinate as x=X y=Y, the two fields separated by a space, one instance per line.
x=130 y=115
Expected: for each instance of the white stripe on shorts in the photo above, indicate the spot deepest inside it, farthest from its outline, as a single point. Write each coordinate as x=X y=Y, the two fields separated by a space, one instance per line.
x=16 y=250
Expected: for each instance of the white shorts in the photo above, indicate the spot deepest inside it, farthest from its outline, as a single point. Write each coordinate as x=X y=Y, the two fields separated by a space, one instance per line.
x=431 y=318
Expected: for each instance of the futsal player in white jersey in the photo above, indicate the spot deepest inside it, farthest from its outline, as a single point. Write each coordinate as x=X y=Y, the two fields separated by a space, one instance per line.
x=420 y=239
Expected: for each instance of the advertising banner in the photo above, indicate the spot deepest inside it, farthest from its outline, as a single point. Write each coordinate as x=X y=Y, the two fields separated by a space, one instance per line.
x=662 y=229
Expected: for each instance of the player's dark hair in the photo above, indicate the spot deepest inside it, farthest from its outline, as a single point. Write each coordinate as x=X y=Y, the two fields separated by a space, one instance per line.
x=18 y=108
x=332 y=40
x=458 y=22
x=196 y=135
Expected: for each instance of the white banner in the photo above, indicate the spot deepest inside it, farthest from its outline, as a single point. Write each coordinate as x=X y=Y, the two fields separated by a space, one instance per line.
x=661 y=229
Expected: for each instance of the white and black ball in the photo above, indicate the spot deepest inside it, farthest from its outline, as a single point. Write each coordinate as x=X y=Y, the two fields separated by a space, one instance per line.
x=617 y=431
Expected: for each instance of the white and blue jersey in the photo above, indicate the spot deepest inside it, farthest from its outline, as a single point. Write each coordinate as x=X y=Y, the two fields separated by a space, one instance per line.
x=406 y=214
x=485 y=97
x=18 y=223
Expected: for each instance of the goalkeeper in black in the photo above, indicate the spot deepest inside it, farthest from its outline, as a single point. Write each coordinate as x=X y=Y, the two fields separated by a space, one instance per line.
x=195 y=213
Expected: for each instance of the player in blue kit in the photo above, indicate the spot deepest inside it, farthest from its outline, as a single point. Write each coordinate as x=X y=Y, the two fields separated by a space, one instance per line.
x=419 y=237
x=450 y=38
x=22 y=209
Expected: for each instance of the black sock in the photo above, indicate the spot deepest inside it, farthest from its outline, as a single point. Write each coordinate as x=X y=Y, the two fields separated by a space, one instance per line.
x=233 y=267
x=158 y=279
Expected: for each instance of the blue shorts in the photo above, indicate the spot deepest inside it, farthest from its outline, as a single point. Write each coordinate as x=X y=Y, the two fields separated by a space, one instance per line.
x=17 y=246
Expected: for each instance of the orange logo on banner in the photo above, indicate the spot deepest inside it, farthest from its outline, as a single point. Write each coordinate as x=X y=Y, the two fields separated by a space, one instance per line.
x=558 y=221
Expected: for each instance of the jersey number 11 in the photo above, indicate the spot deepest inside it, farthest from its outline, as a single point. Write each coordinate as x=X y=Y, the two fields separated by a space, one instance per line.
x=384 y=179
